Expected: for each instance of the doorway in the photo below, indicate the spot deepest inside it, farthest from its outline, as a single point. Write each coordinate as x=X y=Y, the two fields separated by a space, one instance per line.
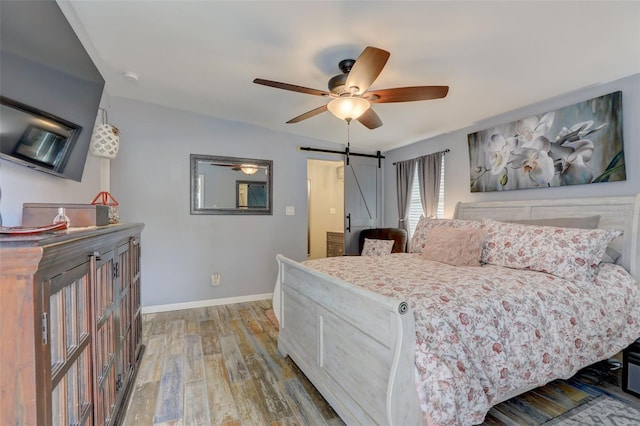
x=342 y=201
x=325 y=199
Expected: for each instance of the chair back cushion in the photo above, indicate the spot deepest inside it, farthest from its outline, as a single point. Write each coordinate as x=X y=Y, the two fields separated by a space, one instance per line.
x=399 y=236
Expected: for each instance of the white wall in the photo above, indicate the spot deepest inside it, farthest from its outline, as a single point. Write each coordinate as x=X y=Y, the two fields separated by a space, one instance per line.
x=327 y=192
x=457 y=177
x=150 y=179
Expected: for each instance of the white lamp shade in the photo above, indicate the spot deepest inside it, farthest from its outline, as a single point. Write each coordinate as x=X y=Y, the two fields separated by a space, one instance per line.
x=348 y=108
x=105 y=141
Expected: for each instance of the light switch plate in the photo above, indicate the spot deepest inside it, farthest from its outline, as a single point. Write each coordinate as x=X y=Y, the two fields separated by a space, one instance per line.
x=290 y=210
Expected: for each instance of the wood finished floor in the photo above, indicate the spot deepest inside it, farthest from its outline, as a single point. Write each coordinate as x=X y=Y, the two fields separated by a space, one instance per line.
x=220 y=366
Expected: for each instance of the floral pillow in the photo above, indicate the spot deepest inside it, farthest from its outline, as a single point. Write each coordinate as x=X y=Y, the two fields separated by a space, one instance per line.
x=455 y=246
x=377 y=247
x=569 y=253
x=419 y=238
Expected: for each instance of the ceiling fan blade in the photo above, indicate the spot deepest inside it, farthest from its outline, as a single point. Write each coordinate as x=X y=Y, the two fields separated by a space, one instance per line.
x=370 y=119
x=308 y=114
x=291 y=87
x=407 y=94
x=366 y=69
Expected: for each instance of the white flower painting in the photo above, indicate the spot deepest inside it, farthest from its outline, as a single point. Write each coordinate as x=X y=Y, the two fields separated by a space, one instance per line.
x=575 y=145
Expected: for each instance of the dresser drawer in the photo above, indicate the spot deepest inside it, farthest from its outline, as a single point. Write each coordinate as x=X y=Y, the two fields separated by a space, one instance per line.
x=335 y=244
x=335 y=237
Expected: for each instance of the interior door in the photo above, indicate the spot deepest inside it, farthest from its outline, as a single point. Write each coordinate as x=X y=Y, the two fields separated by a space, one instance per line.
x=325 y=198
x=362 y=199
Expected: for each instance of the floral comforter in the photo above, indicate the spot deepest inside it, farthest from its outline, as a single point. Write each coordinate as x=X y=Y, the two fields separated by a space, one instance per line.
x=484 y=334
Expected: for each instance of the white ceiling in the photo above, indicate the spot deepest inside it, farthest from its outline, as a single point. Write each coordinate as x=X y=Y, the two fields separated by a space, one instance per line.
x=496 y=56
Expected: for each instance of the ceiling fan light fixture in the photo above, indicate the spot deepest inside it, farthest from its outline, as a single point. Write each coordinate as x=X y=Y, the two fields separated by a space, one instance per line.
x=249 y=169
x=349 y=93
x=348 y=108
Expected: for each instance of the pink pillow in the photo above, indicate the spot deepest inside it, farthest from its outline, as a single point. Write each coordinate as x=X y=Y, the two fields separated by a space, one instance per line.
x=455 y=246
x=425 y=225
x=569 y=253
x=377 y=247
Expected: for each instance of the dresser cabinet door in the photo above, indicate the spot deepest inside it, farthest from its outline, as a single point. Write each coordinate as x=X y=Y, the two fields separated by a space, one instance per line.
x=136 y=306
x=129 y=318
x=119 y=326
x=105 y=336
x=125 y=352
x=67 y=335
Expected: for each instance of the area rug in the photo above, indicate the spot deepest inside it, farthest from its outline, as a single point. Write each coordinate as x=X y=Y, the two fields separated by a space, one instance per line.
x=602 y=411
x=590 y=398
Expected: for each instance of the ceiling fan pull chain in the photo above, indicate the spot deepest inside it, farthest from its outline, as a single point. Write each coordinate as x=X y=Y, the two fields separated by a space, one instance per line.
x=346 y=151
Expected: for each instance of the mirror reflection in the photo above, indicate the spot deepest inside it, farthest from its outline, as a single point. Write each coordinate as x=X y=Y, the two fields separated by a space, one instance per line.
x=251 y=194
x=230 y=185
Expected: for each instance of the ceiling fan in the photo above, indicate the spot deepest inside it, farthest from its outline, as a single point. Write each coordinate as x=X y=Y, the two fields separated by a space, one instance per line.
x=350 y=97
x=246 y=168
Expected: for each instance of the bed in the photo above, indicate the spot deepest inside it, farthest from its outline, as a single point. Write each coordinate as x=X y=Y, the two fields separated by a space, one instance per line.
x=365 y=336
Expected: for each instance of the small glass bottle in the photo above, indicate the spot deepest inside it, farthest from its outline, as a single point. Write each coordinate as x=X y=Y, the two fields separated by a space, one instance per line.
x=62 y=217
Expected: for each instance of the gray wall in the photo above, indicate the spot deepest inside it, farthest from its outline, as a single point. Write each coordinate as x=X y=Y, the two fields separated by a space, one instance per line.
x=150 y=179
x=457 y=160
x=24 y=185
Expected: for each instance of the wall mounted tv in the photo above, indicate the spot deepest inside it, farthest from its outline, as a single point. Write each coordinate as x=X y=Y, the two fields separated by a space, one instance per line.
x=50 y=89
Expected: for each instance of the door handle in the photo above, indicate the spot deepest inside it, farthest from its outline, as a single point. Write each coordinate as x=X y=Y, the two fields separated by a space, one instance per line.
x=349 y=222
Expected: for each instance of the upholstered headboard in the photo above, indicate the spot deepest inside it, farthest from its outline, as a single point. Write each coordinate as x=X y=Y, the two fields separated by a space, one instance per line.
x=615 y=213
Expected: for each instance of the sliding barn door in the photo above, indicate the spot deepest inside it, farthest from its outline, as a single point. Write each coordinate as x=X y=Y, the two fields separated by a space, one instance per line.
x=362 y=199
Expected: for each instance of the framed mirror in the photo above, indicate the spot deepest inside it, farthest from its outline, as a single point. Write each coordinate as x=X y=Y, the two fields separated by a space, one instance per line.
x=230 y=185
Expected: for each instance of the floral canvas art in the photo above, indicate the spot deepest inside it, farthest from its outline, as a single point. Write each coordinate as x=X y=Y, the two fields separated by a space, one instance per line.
x=574 y=145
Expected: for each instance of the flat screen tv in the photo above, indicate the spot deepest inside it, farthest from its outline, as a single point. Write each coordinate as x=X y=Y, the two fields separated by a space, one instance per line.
x=35 y=138
x=50 y=89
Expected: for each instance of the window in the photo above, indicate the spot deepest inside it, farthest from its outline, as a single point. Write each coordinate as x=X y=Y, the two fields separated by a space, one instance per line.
x=415 y=208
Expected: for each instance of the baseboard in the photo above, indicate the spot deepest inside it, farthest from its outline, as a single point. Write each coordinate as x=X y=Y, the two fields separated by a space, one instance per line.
x=203 y=303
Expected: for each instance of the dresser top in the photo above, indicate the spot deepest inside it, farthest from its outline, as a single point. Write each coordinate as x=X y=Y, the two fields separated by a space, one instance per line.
x=57 y=237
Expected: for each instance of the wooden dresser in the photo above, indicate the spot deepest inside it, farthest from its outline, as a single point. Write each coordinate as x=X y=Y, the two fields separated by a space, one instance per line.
x=70 y=325
x=335 y=244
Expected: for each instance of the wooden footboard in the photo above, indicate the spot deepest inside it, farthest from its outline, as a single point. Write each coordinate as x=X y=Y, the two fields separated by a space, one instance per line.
x=355 y=346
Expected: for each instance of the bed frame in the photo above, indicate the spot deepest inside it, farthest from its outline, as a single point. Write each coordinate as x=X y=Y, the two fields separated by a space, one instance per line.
x=357 y=347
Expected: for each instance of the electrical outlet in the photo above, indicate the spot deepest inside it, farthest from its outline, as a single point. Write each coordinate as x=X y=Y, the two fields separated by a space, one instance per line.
x=215 y=279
